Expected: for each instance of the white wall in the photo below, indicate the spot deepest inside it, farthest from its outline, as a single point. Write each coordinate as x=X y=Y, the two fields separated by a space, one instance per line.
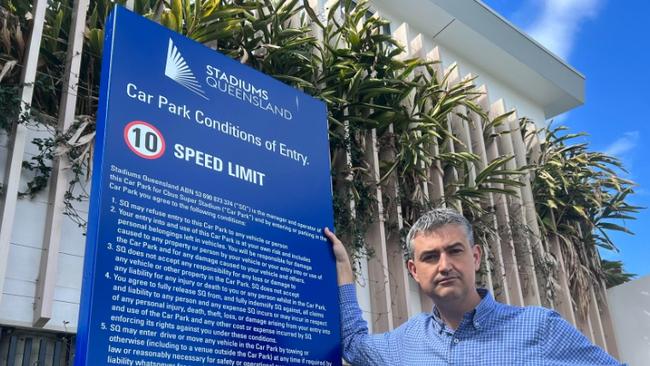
x=25 y=250
x=497 y=89
x=629 y=307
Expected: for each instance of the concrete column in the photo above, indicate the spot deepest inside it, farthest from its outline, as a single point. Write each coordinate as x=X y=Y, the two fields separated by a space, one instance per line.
x=523 y=250
x=44 y=298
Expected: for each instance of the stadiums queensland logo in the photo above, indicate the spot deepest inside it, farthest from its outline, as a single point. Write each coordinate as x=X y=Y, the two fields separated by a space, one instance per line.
x=177 y=69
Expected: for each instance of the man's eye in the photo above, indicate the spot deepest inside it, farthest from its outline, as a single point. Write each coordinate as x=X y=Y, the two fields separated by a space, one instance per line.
x=430 y=258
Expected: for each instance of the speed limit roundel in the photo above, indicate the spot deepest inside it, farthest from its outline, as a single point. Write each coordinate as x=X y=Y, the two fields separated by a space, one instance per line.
x=144 y=139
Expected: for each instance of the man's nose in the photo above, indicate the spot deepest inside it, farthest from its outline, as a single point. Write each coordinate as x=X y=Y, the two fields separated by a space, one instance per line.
x=444 y=264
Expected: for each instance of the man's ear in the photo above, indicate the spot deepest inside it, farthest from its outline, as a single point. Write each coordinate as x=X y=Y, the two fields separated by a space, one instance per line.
x=476 y=253
x=410 y=265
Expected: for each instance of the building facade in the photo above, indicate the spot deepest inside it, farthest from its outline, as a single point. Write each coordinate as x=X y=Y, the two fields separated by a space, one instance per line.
x=41 y=250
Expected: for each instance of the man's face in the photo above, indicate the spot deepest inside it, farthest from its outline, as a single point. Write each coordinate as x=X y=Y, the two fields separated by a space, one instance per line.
x=444 y=264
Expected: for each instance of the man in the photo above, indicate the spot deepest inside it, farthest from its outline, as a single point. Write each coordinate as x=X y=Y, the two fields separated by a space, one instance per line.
x=467 y=326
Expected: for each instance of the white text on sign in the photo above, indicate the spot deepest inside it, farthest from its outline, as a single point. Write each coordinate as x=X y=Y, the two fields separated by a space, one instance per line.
x=215 y=163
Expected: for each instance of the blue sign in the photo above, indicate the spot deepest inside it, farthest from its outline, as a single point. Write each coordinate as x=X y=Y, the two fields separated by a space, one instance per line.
x=210 y=189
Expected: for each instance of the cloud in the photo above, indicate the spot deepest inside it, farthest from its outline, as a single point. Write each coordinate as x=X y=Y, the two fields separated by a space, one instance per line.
x=559 y=21
x=624 y=144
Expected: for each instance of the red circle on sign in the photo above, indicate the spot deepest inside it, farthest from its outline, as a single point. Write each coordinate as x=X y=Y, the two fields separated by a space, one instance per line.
x=139 y=146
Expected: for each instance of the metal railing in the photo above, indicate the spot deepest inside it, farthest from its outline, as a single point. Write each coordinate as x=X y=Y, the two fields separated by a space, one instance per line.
x=20 y=347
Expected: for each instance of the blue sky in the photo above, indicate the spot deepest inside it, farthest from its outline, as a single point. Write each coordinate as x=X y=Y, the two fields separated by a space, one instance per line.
x=606 y=41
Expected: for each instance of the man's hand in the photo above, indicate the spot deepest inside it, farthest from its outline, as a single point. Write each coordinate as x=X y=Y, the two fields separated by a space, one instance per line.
x=343 y=266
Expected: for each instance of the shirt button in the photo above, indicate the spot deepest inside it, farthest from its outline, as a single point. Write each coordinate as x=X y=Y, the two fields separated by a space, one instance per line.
x=456 y=340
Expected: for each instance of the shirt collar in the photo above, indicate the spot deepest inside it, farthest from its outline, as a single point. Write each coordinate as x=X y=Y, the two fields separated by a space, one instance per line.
x=484 y=308
x=477 y=317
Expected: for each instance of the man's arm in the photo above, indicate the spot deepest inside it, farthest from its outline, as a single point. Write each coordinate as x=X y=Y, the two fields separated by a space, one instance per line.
x=344 y=272
x=565 y=345
x=359 y=348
